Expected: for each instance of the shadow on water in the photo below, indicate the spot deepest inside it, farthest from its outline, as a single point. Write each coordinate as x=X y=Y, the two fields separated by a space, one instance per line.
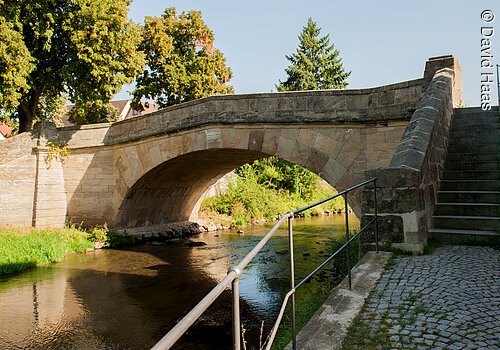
x=128 y=299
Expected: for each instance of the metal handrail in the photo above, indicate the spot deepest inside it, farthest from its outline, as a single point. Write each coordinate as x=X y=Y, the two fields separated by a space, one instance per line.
x=498 y=87
x=234 y=273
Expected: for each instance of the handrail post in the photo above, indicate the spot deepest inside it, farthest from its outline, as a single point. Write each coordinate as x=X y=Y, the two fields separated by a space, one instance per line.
x=292 y=280
x=498 y=87
x=236 y=314
x=348 y=253
x=376 y=214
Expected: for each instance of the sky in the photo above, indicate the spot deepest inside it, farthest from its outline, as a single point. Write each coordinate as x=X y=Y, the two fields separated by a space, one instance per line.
x=380 y=42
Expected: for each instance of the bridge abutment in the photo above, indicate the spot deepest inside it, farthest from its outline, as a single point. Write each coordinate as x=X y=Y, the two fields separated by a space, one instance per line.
x=408 y=186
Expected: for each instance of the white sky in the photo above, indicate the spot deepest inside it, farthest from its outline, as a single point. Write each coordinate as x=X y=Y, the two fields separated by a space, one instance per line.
x=381 y=42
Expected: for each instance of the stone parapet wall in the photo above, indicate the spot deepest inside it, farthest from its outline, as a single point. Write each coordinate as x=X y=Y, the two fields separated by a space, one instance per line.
x=391 y=102
x=373 y=105
x=407 y=187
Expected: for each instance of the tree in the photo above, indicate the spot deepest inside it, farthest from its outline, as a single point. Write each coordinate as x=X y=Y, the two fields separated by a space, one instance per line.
x=182 y=63
x=315 y=65
x=82 y=49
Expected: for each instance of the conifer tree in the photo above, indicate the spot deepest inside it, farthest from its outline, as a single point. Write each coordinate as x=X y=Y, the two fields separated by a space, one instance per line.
x=315 y=65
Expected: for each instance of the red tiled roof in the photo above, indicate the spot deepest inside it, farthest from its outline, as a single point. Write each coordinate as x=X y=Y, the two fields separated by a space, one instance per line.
x=5 y=130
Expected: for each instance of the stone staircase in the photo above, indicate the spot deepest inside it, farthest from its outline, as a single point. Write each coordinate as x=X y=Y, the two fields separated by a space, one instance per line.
x=468 y=201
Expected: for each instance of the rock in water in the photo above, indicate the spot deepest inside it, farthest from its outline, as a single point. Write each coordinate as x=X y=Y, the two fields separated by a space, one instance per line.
x=196 y=244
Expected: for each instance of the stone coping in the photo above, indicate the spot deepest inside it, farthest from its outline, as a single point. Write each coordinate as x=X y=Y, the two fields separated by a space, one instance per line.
x=340 y=92
x=322 y=93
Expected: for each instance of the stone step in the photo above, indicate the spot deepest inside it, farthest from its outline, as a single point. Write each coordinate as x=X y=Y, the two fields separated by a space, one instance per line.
x=478 y=148
x=467 y=222
x=489 y=137
x=468 y=197
x=464 y=127
x=464 y=236
x=474 y=134
x=457 y=124
x=467 y=209
x=465 y=117
x=470 y=157
x=471 y=175
x=473 y=165
x=469 y=185
x=475 y=110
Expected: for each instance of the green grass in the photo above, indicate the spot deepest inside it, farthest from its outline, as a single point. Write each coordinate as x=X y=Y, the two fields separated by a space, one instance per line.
x=25 y=248
x=360 y=336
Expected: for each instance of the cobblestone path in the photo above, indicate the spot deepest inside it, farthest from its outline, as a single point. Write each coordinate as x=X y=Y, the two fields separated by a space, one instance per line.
x=449 y=299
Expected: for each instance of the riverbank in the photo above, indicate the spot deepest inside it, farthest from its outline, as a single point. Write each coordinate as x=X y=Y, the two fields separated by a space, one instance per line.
x=25 y=248
x=22 y=248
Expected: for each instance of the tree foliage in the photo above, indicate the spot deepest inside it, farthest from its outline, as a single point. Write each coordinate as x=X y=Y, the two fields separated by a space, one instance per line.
x=281 y=175
x=315 y=64
x=182 y=63
x=82 y=49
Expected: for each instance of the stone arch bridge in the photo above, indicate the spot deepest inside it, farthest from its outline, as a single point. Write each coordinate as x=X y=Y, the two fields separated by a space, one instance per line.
x=154 y=168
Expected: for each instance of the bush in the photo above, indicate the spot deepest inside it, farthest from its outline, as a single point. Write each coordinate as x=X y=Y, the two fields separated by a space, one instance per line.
x=110 y=238
x=269 y=188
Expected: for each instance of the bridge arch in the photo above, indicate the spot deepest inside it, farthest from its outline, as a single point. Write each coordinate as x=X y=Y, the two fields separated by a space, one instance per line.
x=161 y=180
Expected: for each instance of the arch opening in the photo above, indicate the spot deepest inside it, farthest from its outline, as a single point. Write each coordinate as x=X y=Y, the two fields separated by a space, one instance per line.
x=171 y=191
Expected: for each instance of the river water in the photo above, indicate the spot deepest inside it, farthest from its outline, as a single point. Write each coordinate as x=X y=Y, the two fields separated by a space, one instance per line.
x=129 y=298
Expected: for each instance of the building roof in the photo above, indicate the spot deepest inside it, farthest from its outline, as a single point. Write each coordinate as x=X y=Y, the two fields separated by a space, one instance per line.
x=5 y=130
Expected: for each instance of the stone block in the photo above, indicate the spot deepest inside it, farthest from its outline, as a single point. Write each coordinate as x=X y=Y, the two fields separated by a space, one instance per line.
x=386 y=98
x=322 y=102
x=393 y=200
x=316 y=161
x=256 y=140
x=264 y=104
x=409 y=159
x=322 y=142
x=390 y=229
x=235 y=138
x=356 y=101
x=286 y=147
x=395 y=177
x=214 y=139
x=233 y=105
x=332 y=172
x=292 y=103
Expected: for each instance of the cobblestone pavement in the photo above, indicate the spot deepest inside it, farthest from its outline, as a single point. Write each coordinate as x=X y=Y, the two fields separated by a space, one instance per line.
x=449 y=299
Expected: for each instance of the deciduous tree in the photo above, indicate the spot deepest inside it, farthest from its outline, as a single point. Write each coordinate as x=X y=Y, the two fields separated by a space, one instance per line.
x=84 y=49
x=182 y=62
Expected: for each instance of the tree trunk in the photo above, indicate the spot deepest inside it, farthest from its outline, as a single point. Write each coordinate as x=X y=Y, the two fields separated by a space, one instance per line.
x=26 y=111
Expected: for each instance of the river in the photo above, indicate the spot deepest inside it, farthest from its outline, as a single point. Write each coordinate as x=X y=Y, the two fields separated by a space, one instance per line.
x=129 y=298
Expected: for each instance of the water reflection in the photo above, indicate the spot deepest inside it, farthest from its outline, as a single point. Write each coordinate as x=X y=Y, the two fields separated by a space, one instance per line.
x=128 y=299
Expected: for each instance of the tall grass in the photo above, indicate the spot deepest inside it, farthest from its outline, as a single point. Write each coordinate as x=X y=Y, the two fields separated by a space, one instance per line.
x=24 y=248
